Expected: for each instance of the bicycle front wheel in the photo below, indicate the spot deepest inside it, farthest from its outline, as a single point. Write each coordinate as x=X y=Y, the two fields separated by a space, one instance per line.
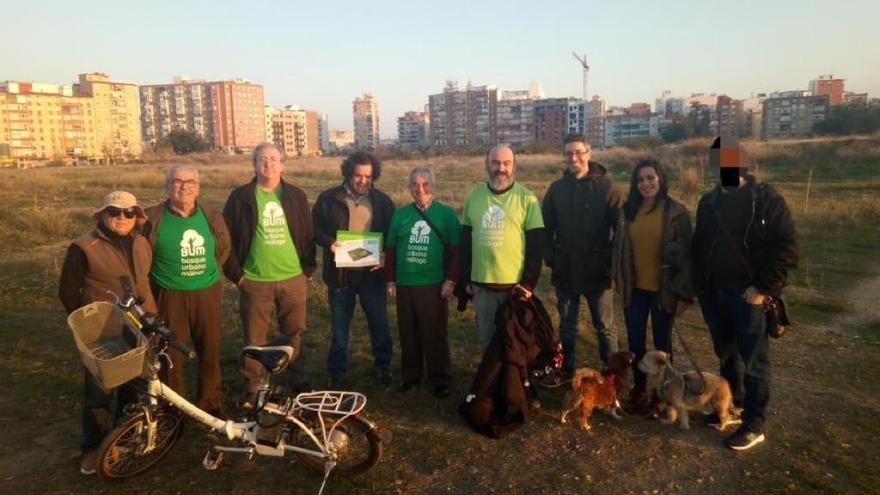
x=125 y=451
x=355 y=444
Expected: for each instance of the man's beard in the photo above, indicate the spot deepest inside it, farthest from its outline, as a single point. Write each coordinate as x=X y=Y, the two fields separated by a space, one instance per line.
x=500 y=181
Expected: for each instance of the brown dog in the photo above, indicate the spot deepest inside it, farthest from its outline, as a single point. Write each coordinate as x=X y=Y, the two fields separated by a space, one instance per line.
x=685 y=391
x=591 y=390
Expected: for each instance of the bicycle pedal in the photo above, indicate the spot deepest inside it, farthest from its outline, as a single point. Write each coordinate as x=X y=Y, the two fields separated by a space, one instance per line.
x=212 y=460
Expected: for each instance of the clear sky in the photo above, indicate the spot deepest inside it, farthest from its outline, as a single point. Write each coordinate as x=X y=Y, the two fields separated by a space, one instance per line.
x=322 y=54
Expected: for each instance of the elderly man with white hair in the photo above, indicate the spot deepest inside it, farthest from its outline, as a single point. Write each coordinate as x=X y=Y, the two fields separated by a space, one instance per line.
x=190 y=244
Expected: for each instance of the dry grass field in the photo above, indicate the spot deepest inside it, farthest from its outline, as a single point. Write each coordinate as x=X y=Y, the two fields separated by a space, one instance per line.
x=824 y=423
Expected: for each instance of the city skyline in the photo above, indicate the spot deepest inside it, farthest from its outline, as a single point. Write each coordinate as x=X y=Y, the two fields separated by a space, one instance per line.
x=401 y=53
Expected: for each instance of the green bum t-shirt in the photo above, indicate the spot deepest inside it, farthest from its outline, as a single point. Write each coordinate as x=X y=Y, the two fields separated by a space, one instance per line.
x=499 y=223
x=419 y=249
x=184 y=256
x=272 y=256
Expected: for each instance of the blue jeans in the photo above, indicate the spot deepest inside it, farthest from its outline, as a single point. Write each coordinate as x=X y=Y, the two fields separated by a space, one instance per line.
x=741 y=343
x=373 y=301
x=642 y=304
x=569 y=304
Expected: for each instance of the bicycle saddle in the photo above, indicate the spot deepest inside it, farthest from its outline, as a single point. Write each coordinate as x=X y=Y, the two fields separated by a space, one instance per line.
x=274 y=358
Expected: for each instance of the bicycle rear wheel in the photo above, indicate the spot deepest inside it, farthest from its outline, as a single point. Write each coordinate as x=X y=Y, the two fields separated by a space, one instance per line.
x=354 y=442
x=123 y=452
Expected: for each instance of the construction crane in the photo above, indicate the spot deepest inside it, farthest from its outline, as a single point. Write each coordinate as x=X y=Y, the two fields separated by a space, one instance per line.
x=583 y=60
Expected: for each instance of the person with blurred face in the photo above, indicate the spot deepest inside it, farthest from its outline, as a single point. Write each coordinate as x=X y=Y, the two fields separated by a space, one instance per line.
x=422 y=235
x=272 y=256
x=651 y=267
x=190 y=244
x=502 y=237
x=743 y=247
x=580 y=210
x=355 y=205
x=93 y=266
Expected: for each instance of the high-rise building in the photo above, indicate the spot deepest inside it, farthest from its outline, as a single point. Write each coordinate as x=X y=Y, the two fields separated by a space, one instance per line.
x=270 y=112
x=792 y=114
x=595 y=129
x=116 y=112
x=412 y=130
x=516 y=115
x=729 y=119
x=551 y=120
x=366 y=121
x=622 y=124
x=289 y=130
x=463 y=118
x=228 y=114
x=827 y=85
x=313 y=133
x=323 y=134
x=91 y=120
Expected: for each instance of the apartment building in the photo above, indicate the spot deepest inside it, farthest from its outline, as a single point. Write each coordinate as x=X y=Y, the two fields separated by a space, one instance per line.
x=91 y=120
x=412 y=130
x=230 y=115
x=729 y=119
x=828 y=85
x=269 y=113
x=116 y=111
x=622 y=124
x=366 y=121
x=464 y=117
x=340 y=139
x=551 y=120
x=792 y=114
x=289 y=130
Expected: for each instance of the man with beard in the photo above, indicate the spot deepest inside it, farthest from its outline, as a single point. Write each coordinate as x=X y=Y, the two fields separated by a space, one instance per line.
x=355 y=205
x=502 y=236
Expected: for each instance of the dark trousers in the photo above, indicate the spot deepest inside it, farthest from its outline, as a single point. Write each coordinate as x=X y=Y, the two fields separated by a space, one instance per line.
x=97 y=419
x=257 y=301
x=421 y=318
x=643 y=304
x=600 y=305
x=194 y=315
x=374 y=302
x=741 y=343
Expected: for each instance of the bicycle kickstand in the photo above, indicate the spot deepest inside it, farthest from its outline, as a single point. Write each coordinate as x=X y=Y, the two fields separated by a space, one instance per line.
x=213 y=459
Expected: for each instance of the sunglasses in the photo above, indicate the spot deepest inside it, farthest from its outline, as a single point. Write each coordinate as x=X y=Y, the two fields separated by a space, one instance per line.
x=115 y=212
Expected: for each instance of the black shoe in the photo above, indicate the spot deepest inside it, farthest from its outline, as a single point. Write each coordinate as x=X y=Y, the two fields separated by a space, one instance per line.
x=407 y=386
x=385 y=377
x=441 y=391
x=744 y=438
x=714 y=420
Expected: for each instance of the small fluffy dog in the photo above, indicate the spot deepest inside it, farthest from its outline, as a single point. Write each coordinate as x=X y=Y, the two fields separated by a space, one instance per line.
x=591 y=390
x=678 y=390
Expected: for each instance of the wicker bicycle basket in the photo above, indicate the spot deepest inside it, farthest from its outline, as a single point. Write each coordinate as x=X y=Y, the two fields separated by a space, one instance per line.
x=109 y=345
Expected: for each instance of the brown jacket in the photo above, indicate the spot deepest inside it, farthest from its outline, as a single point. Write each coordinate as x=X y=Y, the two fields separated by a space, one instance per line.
x=94 y=264
x=675 y=257
x=215 y=222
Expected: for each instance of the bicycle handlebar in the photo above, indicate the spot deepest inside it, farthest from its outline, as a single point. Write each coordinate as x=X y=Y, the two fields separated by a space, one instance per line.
x=151 y=321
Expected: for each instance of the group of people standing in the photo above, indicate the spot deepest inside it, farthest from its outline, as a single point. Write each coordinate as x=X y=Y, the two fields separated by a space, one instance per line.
x=589 y=234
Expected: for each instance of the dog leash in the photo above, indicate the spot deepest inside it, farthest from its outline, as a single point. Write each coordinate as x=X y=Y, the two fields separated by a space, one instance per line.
x=687 y=352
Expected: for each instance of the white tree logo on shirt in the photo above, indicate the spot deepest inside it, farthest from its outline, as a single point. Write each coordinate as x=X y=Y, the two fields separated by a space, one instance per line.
x=273 y=215
x=192 y=244
x=420 y=232
x=493 y=218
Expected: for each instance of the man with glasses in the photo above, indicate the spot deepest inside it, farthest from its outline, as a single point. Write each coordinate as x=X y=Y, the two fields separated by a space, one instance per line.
x=190 y=244
x=272 y=257
x=580 y=210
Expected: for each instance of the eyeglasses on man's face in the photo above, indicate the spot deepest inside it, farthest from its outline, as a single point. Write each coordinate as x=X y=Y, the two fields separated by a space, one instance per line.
x=187 y=182
x=115 y=212
x=576 y=152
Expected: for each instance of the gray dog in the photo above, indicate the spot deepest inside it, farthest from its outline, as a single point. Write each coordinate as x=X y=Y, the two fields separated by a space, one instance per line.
x=685 y=391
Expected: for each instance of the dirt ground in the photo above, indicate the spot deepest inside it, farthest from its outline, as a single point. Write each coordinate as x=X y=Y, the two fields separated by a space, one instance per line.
x=822 y=427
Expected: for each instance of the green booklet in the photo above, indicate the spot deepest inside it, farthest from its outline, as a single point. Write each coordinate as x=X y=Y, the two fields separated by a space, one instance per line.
x=358 y=249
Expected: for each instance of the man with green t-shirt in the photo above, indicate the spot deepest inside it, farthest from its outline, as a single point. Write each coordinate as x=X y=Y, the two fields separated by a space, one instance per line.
x=190 y=244
x=273 y=254
x=422 y=234
x=502 y=238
